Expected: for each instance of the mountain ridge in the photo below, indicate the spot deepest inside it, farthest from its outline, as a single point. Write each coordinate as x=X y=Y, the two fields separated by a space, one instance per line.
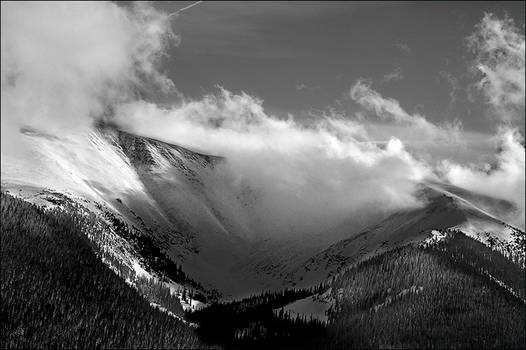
x=177 y=197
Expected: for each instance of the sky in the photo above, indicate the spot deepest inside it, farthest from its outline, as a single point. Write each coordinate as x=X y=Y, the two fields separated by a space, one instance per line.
x=303 y=56
x=341 y=106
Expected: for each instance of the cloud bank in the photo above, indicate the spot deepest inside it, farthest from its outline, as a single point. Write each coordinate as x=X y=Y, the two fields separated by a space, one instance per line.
x=62 y=69
x=308 y=177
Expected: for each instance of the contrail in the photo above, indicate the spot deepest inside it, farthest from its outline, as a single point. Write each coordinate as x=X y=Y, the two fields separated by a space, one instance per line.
x=184 y=8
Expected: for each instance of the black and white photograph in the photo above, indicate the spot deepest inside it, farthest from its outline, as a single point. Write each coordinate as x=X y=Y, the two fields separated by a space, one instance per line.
x=318 y=175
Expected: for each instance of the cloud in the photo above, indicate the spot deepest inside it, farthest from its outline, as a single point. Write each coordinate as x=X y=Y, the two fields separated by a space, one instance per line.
x=65 y=65
x=309 y=177
x=303 y=86
x=505 y=179
x=61 y=67
x=389 y=109
x=499 y=48
x=453 y=83
x=395 y=75
x=404 y=48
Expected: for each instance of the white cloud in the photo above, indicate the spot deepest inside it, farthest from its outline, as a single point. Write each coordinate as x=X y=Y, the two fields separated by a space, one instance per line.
x=453 y=84
x=396 y=75
x=67 y=64
x=64 y=64
x=304 y=86
x=390 y=109
x=404 y=48
x=503 y=180
x=499 y=48
x=309 y=177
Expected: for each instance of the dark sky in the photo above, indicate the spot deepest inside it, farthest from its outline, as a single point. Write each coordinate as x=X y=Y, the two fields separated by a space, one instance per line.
x=302 y=56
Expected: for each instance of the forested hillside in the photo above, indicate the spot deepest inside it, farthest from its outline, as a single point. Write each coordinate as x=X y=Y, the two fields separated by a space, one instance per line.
x=56 y=293
x=450 y=291
x=456 y=293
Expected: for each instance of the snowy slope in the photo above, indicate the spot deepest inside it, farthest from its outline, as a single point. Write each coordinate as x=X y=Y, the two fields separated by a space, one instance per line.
x=118 y=252
x=168 y=192
x=444 y=209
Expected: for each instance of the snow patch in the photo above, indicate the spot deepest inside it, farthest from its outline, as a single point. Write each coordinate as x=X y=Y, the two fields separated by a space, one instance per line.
x=404 y=292
x=139 y=271
x=505 y=286
x=168 y=312
x=435 y=238
x=315 y=307
x=190 y=304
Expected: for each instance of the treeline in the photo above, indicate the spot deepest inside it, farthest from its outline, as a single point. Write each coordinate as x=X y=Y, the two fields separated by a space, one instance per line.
x=149 y=249
x=116 y=244
x=56 y=293
x=515 y=250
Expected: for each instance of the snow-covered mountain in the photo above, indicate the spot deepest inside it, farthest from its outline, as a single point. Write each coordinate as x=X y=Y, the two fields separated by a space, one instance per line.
x=165 y=191
x=447 y=207
x=199 y=216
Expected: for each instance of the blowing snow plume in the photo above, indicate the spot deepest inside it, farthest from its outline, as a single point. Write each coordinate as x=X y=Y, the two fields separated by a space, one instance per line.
x=308 y=177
